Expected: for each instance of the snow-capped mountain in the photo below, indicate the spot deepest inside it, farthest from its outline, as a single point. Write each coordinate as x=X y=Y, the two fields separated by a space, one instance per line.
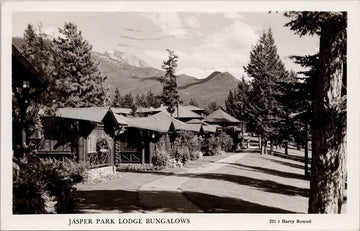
x=125 y=58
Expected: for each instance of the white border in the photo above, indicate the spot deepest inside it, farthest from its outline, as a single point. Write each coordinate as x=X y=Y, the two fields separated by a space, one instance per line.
x=348 y=221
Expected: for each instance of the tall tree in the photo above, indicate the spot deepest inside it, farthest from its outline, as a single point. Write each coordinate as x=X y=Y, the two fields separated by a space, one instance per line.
x=237 y=100
x=78 y=79
x=212 y=106
x=153 y=100
x=267 y=71
x=127 y=101
x=170 y=95
x=140 y=101
x=117 y=99
x=328 y=170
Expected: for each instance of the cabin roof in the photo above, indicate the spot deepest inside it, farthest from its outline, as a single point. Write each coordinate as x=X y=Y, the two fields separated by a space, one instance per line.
x=23 y=70
x=94 y=114
x=184 y=111
x=196 y=121
x=120 y=110
x=210 y=128
x=160 y=122
x=221 y=116
x=193 y=108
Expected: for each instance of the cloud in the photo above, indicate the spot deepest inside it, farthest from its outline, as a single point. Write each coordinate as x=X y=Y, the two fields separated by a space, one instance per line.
x=225 y=47
x=174 y=23
x=226 y=50
x=144 y=39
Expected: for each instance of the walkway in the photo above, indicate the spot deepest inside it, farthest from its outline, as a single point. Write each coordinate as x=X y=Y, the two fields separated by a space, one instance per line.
x=174 y=199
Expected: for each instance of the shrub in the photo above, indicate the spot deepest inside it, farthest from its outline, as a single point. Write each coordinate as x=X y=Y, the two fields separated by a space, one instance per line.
x=61 y=177
x=160 y=159
x=196 y=155
x=28 y=189
x=216 y=145
x=225 y=141
x=182 y=155
x=41 y=179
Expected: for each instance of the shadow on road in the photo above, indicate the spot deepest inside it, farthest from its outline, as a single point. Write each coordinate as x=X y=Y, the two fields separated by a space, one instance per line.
x=299 y=166
x=119 y=201
x=215 y=204
x=107 y=200
x=265 y=185
x=272 y=171
x=290 y=157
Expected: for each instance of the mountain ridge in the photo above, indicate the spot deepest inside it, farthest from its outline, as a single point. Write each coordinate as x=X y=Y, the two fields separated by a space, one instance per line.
x=139 y=78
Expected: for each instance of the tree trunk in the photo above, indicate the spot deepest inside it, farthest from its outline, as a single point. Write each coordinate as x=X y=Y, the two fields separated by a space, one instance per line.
x=265 y=146
x=306 y=162
x=286 y=148
x=271 y=147
x=329 y=124
x=259 y=140
x=261 y=146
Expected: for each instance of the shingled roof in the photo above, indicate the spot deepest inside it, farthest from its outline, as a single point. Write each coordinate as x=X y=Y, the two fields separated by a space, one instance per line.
x=94 y=114
x=184 y=111
x=160 y=122
x=220 y=116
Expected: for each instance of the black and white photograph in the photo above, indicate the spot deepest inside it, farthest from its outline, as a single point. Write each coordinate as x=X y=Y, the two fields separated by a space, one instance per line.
x=153 y=115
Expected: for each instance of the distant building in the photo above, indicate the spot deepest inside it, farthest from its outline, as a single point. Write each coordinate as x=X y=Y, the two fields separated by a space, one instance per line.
x=220 y=117
x=185 y=112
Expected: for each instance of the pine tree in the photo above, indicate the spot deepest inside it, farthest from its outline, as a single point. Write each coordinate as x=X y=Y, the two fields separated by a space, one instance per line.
x=328 y=169
x=212 y=106
x=78 y=79
x=140 y=101
x=193 y=102
x=117 y=99
x=170 y=95
x=127 y=101
x=153 y=100
x=267 y=71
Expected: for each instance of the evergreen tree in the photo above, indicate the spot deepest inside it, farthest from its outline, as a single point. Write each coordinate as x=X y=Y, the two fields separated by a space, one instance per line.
x=78 y=79
x=117 y=99
x=212 y=106
x=237 y=103
x=153 y=100
x=170 y=95
x=193 y=103
x=127 y=101
x=328 y=169
x=267 y=72
x=140 y=101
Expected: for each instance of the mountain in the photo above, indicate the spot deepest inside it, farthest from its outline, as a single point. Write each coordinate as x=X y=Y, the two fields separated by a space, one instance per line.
x=141 y=79
x=125 y=58
x=131 y=74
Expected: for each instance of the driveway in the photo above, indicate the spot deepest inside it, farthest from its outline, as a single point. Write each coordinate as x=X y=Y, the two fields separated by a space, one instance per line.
x=239 y=183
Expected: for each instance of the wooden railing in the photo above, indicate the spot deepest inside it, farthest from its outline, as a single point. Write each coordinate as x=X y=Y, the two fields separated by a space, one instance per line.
x=98 y=159
x=130 y=157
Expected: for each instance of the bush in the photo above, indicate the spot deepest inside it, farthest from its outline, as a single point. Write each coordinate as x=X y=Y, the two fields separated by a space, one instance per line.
x=160 y=159
x=181 y=155
x=196 y=155
x=216 y=145
x=225 y=141
x=60 y=178
x=39 y=180
x=28 y=189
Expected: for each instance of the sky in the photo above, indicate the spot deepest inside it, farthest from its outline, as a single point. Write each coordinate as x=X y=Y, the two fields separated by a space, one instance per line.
x=204 y=41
